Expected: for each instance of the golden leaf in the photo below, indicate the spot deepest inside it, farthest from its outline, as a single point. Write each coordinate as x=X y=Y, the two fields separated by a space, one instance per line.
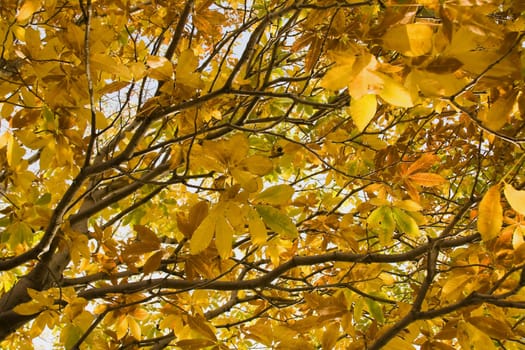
x=276 y=195
x=26 y=11
x=223 y=237
x=257 y=228
x=363 y=110
x=185 y=72
x=414 y=39
x=490 y=216
x=153 y=262
x=203 y=235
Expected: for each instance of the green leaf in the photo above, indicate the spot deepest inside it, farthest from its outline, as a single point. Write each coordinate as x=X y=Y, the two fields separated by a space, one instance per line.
x=276 y=195
x=375 y=310
x=277 y=221
x=381 y=222
x=405 y=222
x=43 y=199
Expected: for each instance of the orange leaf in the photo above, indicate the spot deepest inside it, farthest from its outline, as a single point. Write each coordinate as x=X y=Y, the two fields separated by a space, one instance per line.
x=427 y=179
x=423 y=163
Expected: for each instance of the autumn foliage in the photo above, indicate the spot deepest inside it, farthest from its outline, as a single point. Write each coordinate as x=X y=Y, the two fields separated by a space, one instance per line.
x=310 y=174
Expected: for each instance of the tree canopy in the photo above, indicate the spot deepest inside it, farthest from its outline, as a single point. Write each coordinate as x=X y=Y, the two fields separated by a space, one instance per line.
x=227 y=174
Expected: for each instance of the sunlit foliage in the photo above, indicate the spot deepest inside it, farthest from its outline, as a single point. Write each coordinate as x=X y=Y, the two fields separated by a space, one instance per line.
x=311 y=174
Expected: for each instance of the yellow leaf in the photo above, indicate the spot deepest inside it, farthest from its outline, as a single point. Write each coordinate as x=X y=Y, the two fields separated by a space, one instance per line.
x=122 y=326
x=194 y=344
x=490 y=216
x=134 y=328
x=517 y=237
x=394 y=93
x=197 y=213
x=408 y=205
x=257 y=228
x=278 y=221
x=257 y=165
x=14 y=151
x=44 y=298
x=427 y=179
x=236 y=149
x=146 y=235
x=470 y=337
x=413 y=39
x=276 y=195
x=153 y=263
x=515 y=198
x=26 y=11
x=363 y=110
x=203 y=235
x=491 y=326
x=454 y=287
x=108 y=64
x=424 y=162
x=223 y=237
x=160 y=68
x=398 y=343
x=330 y=336
x=337 y=77
x=29 y=308
x=247 y=180
x=499 y=112
x=199 y=324
x=185 y=72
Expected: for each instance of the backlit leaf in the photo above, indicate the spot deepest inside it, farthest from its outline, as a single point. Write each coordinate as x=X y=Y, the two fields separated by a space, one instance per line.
x=223 y=237
x=153 y=262
x=278 y=221
x=490 y=217
x=375 y=310
x=382 y=222
x=185 y=71
x=394 y=92
x=405 y=222
x=203 y=235
x=515 y=198
x=427 y=179
x=363 y=110
x=276 y=195
x=26 y=11
x=29 y=308
x=414 y=39
x=257 y=228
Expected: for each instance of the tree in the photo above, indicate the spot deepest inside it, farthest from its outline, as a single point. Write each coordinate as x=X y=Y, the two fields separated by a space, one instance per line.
x=266 y=173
